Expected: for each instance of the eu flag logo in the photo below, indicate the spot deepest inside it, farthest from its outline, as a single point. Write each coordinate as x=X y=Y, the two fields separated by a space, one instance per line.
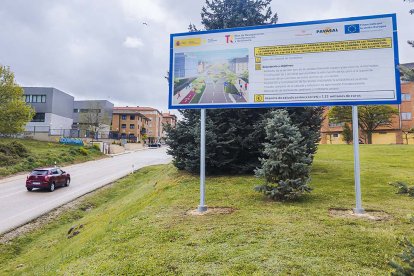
x=352 y=29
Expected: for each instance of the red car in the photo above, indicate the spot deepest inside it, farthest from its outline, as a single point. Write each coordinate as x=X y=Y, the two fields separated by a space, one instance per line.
x=47 y=178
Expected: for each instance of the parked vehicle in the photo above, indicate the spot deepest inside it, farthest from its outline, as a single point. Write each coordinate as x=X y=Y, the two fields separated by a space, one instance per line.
x=47 y=178
x=154 y=145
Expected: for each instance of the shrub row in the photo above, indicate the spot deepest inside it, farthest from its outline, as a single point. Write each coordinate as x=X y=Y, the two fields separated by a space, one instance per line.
x=11 y=153
x=15 y=157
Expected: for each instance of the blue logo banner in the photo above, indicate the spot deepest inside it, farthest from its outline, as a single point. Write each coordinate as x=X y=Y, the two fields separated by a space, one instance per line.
x=71 y=141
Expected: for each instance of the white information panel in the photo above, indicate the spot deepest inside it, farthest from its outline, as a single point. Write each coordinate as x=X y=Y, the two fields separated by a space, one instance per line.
x=349 y=61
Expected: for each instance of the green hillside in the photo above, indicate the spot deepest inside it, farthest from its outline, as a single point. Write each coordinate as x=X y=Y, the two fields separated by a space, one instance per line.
x=141 y=225
x=40 y=154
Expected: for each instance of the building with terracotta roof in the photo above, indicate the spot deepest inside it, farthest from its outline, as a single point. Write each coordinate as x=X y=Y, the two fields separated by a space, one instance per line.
x=168 y=119
x=331 y=133
x=154 y=132
x=129 y=123
x=396 y=133
x=153 y=129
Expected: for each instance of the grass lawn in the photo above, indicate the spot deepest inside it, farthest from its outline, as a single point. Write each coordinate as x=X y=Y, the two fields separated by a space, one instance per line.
x=46 y=154
x=140 y=226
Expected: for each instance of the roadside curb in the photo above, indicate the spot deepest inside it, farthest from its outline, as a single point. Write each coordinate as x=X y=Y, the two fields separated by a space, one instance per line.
x=125 y=152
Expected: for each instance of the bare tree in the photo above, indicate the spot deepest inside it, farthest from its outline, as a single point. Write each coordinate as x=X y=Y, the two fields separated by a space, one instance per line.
x=94 y=119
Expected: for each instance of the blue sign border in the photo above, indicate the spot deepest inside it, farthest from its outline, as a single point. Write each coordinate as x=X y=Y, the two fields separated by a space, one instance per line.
x=264 y=105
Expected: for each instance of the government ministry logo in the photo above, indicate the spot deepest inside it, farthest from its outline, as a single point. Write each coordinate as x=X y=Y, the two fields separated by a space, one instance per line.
x=352 y=29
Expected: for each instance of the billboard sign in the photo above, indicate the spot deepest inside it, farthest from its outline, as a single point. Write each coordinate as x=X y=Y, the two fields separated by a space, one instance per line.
x=348 y=61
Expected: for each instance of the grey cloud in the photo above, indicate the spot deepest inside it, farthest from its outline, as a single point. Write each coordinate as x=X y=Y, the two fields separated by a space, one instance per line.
x=78 y=46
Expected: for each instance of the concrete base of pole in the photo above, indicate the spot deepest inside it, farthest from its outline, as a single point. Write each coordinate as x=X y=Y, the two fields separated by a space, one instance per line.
x=202 y=209
x=359 y=211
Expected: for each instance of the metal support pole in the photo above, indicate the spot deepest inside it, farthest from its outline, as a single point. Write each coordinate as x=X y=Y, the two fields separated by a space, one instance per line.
x=202 y=207
x=358 y=208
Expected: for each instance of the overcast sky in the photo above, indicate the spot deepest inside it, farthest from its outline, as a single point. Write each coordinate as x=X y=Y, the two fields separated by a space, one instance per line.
x=100 y=49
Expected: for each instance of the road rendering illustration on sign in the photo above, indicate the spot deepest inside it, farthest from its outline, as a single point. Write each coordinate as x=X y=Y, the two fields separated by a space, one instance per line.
x=347 y=61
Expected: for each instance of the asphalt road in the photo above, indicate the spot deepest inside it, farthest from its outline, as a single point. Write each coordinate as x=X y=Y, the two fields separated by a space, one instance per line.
x=214 y=92
x=18 y=206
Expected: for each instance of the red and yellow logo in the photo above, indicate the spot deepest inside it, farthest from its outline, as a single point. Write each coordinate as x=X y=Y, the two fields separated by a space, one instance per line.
x=229 y=38
x=187 y=42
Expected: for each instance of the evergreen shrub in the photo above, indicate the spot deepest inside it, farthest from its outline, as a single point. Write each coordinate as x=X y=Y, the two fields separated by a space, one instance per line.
x=411 y=191
x=96 y=147
x=347 y=134
x=406 y=265
x=11 y=153
x=401 y=186
x=286 y=165
x=83 y=151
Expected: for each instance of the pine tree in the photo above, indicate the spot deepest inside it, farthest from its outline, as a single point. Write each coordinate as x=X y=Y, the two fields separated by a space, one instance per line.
x=407 y=258
x=407 y=74
x=308 y=120
x=286 y=165
x=222 y=14
x=234 y=140
x=347 y=134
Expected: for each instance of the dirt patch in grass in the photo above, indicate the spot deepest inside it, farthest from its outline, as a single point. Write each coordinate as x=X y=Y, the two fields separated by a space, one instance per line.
x=211 y=211
x=374 y=215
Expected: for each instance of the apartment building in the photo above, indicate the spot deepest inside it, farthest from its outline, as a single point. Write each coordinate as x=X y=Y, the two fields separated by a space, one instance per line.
x=154 y=132
x=170 y=119
x=239 y=65
x=53 y=107
x=407 y=111
x=129 y=123
x=396 y=133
